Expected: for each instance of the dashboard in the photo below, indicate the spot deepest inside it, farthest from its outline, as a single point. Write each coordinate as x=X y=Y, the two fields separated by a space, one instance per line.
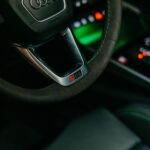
x=88 y=25
x=131 y=57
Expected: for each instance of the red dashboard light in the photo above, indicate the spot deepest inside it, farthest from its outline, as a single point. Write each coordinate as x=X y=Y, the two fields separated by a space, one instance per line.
x=140 y=56
x=98 y=15
x=145 y=53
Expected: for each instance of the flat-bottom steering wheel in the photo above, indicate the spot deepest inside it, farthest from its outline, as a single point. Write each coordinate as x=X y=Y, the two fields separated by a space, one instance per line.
x=35 y=23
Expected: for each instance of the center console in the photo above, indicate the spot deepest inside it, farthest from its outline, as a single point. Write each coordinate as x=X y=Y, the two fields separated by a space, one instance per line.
x=96 y=130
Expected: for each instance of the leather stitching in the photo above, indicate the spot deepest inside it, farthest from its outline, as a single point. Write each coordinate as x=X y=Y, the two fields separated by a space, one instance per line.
x=106 y=31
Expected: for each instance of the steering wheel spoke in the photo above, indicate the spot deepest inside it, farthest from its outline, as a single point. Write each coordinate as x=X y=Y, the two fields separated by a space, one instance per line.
x=73 y=70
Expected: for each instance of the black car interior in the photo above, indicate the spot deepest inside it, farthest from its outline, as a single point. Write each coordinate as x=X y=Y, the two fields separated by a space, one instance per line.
x=75 y=75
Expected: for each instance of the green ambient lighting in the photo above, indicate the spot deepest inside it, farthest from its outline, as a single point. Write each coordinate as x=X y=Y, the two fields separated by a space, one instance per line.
x=88 y=34
x=92 y=38
x=121 y=43
x=92 y=33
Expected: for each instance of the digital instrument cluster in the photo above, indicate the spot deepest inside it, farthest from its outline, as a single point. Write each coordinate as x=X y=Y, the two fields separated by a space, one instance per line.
x=89 y=21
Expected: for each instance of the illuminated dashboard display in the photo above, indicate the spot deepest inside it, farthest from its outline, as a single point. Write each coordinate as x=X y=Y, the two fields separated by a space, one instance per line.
x=88 y=26
x=89 y=29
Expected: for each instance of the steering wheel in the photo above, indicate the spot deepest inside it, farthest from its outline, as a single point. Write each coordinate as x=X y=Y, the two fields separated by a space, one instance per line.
x=38 y=21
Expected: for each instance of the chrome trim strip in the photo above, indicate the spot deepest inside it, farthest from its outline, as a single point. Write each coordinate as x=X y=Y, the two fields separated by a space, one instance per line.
x=34 y=60
x=131 y=71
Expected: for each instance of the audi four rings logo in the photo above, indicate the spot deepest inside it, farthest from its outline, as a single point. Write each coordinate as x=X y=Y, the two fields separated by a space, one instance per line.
x=37 y=4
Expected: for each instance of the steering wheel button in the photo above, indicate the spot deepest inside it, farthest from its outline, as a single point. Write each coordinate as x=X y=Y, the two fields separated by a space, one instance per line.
x=75 y=76
x=72 y=77
x=78 y=74
x=42 y=10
